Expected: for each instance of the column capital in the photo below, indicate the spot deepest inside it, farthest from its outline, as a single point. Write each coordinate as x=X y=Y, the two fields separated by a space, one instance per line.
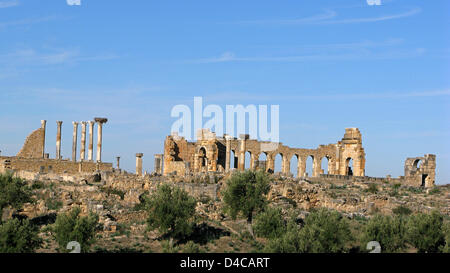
x=59 y=122
x=139 y=155
x=83 y=122
x=101 y=120
x=74 y=123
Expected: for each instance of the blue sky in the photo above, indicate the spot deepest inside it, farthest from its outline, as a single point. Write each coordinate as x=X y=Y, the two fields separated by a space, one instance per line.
x=328 y=64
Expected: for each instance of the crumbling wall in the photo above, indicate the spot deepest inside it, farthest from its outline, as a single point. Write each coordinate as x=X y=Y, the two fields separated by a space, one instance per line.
x=33 y=147
x=211 y=153
x=41 y=165
x=421 y=171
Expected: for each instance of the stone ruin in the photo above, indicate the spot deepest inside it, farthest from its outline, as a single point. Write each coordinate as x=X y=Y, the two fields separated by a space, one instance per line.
x=421 y=170
x=32 y=156
x=212 y=154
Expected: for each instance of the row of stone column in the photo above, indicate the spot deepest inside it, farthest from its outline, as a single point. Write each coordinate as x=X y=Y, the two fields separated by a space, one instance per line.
x=159 y=158
x=240 y=157
x=100 y=122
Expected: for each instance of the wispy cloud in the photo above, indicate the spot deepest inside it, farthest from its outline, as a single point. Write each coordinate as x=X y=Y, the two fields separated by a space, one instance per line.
x=357 y=54
x=258 y=97
x=328 y=14
x=8 y=4
x=29 y=21
x=35 y=57
x=331 y=17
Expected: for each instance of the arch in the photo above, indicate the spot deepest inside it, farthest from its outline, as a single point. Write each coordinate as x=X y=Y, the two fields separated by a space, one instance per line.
x=202 y=157
x=325 y=164
x=278 y=163
x=309 y=168
x=262 y=157
x=294 y=168
x=233 y=160
x=349 y=166
x=417 y=164
x=248 y=160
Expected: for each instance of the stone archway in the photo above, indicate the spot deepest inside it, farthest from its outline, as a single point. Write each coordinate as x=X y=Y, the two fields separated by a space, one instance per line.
x=202 y=159
x=325 y=165
x=294 y=165
x=309 y=166
x=349 y=166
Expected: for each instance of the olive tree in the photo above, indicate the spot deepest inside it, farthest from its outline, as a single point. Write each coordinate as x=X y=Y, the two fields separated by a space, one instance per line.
x=171 y=210
x=245 y=194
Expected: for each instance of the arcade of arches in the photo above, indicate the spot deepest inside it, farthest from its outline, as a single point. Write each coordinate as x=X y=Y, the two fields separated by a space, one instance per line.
x=220 y=154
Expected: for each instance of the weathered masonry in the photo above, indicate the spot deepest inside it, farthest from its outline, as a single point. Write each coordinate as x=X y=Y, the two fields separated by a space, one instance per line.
x=346 y=158
x=32 y=156
x=211 y=153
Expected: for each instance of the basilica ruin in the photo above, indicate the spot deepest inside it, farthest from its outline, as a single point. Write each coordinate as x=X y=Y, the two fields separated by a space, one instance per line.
x=215 y=155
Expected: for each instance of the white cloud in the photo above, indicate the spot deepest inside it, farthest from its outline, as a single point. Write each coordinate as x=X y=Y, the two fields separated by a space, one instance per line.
x=355 y=52
x=27 y=21
x=8 y=4
x=30 y=56
x=329 y=16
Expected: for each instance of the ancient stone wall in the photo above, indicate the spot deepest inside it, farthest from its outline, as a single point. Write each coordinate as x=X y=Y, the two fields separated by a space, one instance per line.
x=421 y=171
x=33 y=147
x=210 y=154
x=138 y=184
x=41 y=165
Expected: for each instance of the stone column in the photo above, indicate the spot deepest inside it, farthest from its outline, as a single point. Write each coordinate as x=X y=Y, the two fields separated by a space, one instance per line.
x=83 y=141
x=253 y=160
x=43 y=126
x=158 y=163
x=118 y=162
x=58 y=139
x=286 y=165
x=91 y=141
x=300 y=167
x=241 y=162
x=100 y=122
x=74 y=141
x=139 y=163
x=228 y=153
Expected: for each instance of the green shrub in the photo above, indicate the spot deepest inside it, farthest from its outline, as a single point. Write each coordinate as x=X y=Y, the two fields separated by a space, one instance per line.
x=53 y=204
x=191 y=247
x=168 y=247
x=245 y=194
x=415 y=189
x=270 y=223
x=14 y=192
x=401 y=210
x=73 y=227
x=372 y=188
x=434 y=190
x=446 y=247
x=37 y=185
x=171 y=211
x=387 y=230
x=19 y=236
x=325 y=231
x=425 y=232
x=117 y=192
